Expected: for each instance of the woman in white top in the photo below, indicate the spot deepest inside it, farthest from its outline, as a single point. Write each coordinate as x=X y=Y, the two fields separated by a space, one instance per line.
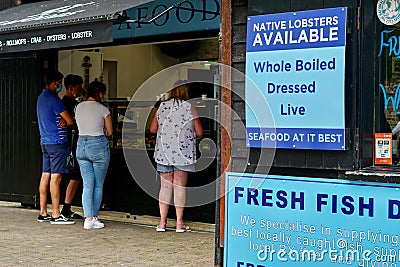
x=177 y=124
x=93 y=152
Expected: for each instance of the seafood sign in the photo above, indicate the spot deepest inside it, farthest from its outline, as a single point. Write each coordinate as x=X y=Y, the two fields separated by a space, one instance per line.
x=295 y=63
x=56 y=37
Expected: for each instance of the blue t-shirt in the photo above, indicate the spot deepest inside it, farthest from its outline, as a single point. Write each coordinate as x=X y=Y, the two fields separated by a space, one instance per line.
x=48 y=109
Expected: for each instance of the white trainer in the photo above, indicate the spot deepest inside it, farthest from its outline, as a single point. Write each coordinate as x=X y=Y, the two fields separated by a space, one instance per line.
x=88 y=224
x=93 y=224
x=97 y=224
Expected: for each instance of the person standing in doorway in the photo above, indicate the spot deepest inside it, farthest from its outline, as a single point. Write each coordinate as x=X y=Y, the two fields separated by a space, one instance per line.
x=73 y=86
x=52 y=119
x=177 y=125
x=93 y=152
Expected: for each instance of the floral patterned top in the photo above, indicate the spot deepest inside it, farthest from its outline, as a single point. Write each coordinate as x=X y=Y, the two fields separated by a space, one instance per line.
x=176 y=138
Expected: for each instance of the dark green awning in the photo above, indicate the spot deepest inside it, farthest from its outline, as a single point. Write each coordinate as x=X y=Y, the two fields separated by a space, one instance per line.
x=60 y=23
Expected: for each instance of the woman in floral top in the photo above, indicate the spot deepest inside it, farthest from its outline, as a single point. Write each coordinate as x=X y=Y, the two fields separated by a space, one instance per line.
x=177 y=125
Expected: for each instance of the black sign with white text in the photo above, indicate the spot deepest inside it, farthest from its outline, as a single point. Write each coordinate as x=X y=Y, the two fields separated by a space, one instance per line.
x=57 y=37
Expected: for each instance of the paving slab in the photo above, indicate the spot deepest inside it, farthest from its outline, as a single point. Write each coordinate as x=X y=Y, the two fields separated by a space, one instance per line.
x=26 y=242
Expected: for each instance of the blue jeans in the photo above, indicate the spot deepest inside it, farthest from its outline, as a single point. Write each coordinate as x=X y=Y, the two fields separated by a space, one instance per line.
x=93 y=155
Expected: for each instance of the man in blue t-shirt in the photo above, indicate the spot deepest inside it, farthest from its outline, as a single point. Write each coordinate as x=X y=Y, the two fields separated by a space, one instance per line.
x=53 y=119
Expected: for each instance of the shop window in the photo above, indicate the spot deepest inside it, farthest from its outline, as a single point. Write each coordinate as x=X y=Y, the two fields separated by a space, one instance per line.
x=387 y=94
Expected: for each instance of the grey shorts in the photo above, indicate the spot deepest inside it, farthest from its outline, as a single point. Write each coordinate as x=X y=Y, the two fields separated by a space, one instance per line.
x=167 y=168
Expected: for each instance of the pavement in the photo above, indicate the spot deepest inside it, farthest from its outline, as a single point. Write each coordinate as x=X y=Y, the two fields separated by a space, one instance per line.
x=126 y=240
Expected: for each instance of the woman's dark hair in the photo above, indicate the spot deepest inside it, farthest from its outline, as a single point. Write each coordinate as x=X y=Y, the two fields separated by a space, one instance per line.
x=94 y=90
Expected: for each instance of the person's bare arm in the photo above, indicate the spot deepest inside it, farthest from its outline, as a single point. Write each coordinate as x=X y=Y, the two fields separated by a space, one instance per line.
x=108 y=131
x=67 y=118
x=198 y=128
x=154 y=123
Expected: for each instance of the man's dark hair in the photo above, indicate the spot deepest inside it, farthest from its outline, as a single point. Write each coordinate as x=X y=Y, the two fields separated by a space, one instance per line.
x=53 y=76
x=72 y=79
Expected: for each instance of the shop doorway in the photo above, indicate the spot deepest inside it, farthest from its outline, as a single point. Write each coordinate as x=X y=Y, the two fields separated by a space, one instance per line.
x=110 y=70
x=201 y=89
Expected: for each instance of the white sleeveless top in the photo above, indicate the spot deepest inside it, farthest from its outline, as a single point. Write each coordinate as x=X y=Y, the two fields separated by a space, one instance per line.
x=176 y=138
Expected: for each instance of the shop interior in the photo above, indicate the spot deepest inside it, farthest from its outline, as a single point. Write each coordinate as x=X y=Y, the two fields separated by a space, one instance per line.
x=124 y=68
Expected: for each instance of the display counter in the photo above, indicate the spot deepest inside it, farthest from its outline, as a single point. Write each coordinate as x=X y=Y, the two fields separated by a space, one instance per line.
x=132 y=146
x=130 y=119
x=131 y=122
